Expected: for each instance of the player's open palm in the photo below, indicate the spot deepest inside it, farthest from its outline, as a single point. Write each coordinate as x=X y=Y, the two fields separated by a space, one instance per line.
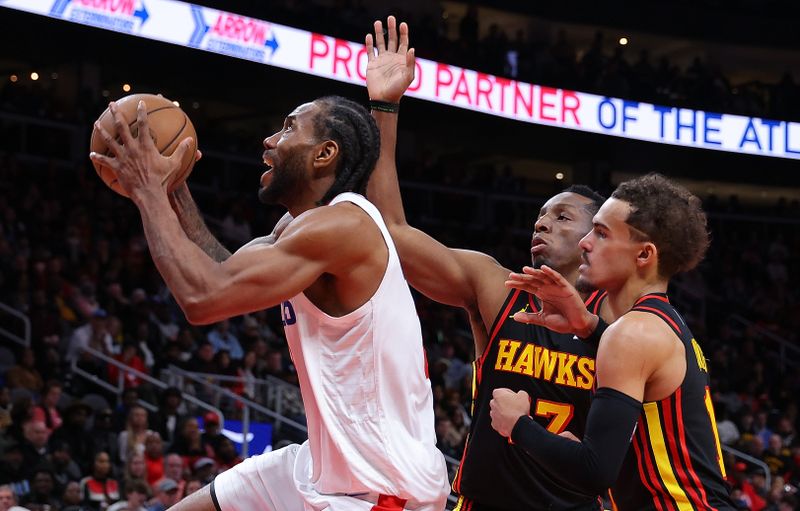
x=562 y=309
x=137 y=162
x=390 y=71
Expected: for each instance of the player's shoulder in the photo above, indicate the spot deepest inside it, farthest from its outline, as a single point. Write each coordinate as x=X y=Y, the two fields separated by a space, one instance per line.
x=638 y=333
x=338 y=224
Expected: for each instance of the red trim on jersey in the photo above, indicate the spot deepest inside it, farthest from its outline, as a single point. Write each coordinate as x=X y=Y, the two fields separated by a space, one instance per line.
x=389 y=503
x=501 y=319
x=654 y=478
x=459 y=473
x=660 y=313
x=669 y=428
x=532 y=303
x=599 y=300
x=425 y=360
x=642 y=474
x=686 y=459
x=649 y=296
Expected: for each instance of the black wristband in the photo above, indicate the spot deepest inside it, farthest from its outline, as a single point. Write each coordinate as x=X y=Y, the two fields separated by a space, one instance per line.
x=597 y=333
x=384 y=106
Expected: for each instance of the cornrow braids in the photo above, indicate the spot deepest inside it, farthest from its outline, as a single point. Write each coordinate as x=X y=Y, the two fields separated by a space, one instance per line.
x=352 y=127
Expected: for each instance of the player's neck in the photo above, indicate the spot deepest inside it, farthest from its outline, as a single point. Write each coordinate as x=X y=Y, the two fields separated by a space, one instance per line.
x=620 y=300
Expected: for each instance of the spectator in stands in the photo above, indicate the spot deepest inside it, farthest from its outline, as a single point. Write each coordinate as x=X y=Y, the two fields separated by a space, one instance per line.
x=43 y=490
x=212 y=433
x=204 y=469
x=192 y=485
x=7 y=498
x=104 y=437
x=71 y=497
x=130 y=357
x=189 y=443
x=47 y=411
x=34 y=446
x=165 y=421
x=135 y=496
x=11 y=469
x=93 y=334
x=221 y=338
x=174 y=469
x=73 y=432
x=166 y=495
x=24 y=374
x=64 y=467
x=131 y=440
x=100 y=490
x=203 y=360
x=130 y=398
x=777 y=457
x=154 y=458
x=135 y=470
x=227 y=456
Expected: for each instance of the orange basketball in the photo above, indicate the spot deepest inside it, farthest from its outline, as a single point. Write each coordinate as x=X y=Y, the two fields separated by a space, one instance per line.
x=169 y=125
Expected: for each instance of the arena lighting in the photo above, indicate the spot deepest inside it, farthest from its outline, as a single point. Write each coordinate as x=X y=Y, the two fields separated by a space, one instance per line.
x=126 y=87
x=623 y=41
x=54 y=75
x=212 y=30
x=34 y=76
x=13 y=78
x=559 y=175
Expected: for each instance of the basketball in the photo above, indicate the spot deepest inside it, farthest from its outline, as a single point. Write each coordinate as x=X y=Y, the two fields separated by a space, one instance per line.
x=169 y=125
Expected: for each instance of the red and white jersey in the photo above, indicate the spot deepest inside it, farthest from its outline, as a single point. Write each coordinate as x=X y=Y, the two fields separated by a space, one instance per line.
x=367 y=396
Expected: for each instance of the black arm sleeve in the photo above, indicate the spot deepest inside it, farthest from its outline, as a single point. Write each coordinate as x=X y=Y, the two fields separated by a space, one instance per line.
x=593 y=464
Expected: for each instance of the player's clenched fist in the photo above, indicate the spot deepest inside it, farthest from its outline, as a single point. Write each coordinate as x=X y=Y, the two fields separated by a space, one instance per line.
x=506 y=408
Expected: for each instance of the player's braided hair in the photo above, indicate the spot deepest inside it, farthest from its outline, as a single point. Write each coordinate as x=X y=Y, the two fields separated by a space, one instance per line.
x=352 y=127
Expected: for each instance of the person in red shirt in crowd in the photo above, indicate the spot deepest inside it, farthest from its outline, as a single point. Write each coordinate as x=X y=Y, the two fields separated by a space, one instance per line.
x=154 y=458
x=129 y=357
x=46 y=410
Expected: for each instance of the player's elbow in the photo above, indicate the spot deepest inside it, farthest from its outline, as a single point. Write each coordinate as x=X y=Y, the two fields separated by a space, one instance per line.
x=198 y=310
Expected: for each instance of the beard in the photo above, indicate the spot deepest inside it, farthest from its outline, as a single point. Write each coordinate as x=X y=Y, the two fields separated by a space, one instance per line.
x=583 y=285
x=538 y=261
x=286 y=179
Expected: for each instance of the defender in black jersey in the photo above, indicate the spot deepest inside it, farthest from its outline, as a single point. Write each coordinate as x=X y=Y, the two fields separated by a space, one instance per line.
x=556 y=369
x=651 y=434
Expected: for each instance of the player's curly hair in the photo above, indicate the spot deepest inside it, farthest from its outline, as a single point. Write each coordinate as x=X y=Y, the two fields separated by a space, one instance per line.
x=671 y=217
x=352 y=127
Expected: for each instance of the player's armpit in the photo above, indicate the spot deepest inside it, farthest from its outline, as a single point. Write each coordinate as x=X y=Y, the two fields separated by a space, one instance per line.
x=590 y=466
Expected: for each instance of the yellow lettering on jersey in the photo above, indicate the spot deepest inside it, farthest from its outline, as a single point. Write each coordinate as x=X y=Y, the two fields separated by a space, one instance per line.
x=505 y=354
x=561 y=368
x=566 y=375
x=698 y=355
x=524 y=363
x=545 y=363
x=586 y=369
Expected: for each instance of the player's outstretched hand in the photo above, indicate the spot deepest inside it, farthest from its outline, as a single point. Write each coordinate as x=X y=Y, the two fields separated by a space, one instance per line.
x=390 y=64
x=562 y=310
x=506 y=407
x=138 y=164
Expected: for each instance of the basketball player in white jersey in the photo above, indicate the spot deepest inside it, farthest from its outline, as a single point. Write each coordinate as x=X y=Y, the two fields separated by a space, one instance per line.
x=349 y=316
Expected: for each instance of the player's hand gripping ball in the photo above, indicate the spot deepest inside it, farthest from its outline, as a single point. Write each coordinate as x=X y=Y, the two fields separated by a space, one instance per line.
x=169 y=126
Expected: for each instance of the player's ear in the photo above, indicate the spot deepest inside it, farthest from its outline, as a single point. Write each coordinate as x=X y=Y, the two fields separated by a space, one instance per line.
x=326 y=153
x=647 y=255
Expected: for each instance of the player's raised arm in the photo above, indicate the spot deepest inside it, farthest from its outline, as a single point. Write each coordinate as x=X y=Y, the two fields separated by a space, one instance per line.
x=453 y=277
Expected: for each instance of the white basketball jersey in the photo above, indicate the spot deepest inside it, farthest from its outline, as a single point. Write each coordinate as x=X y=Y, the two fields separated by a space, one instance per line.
x=367 y=396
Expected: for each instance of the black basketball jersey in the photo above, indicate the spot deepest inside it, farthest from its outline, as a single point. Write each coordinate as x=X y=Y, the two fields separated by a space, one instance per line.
x=557 y=371
x=675 y=460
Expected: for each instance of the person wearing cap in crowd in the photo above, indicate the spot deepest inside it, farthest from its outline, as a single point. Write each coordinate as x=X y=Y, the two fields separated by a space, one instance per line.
x=167 y=494
x=135 y=497
x=204 y=470
x=73 y=432
x=93 y=334
x=173 y=469
x=212 y=433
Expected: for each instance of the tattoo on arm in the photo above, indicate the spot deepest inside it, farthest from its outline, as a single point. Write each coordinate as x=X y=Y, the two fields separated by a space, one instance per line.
x=193 y=225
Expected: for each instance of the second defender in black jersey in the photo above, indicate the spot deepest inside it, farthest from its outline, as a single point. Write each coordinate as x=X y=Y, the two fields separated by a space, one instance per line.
x=494 y=475
x=557 y=371
x=650 y=433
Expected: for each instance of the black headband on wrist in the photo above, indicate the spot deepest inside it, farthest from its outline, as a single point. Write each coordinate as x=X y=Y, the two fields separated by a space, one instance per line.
x=384 y=106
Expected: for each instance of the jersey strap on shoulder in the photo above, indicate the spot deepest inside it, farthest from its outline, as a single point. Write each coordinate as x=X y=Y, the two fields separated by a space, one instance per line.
x=658 y=304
